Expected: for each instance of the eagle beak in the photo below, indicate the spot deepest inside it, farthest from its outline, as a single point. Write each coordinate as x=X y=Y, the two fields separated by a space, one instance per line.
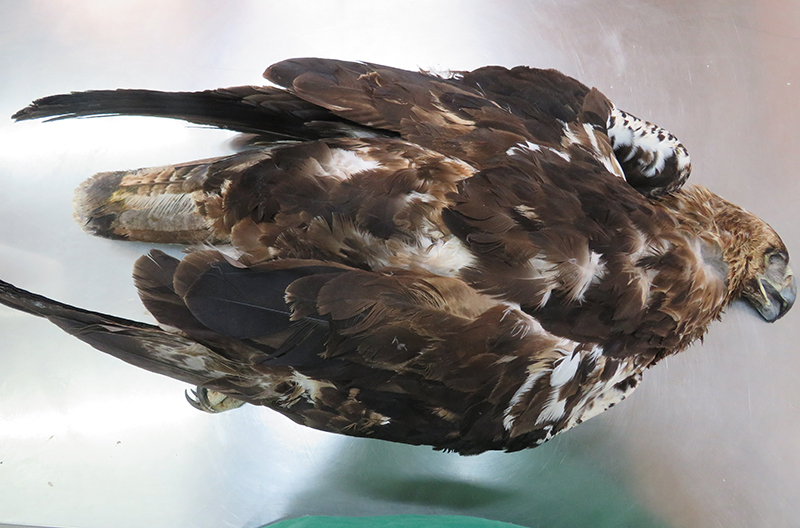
x=774 y=298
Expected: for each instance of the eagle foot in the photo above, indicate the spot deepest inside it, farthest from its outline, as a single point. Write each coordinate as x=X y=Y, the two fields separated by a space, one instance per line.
x=212 y=401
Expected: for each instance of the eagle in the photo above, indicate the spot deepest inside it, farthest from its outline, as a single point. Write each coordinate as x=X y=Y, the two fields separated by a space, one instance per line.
x=473 y=261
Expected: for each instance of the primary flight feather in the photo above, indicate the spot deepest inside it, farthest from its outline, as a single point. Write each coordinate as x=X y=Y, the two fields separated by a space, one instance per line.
x=474 y=262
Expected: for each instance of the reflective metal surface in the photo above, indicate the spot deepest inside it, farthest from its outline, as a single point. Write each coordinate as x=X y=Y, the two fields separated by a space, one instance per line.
x=710 y=438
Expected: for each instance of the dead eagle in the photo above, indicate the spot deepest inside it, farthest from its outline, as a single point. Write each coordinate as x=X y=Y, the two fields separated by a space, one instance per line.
x=474 y=262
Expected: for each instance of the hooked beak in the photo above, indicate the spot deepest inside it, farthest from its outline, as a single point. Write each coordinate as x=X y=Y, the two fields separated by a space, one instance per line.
x=773 y=298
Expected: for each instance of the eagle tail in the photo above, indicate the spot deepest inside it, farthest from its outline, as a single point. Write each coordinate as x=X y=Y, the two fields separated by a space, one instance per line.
x=169 y=204
x=143 y=345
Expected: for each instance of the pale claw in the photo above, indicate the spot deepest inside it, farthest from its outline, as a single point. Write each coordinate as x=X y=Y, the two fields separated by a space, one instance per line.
x=212 y=401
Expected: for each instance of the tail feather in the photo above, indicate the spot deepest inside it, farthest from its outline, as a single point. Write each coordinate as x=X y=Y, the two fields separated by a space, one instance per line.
x=166 y=204
x=148 y=205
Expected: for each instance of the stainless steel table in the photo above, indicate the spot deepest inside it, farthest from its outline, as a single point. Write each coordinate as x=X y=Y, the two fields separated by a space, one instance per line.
x=710 y=439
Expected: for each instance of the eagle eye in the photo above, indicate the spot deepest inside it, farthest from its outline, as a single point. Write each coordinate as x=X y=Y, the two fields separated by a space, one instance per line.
x=776 y=259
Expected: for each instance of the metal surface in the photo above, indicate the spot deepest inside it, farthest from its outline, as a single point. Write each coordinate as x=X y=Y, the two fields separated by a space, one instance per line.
x=711 y=437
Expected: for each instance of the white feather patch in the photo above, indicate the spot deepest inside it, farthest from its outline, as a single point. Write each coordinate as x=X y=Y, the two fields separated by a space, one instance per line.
x=553 y=409
x=565 y=369
x=193 y=357
x=604 y=395
x=521 y=147
x=642 y=136
x=590 y=273
x=160 y=212
x=534 y=374
x=343 y=164
x=309 y=387
x=444 y=257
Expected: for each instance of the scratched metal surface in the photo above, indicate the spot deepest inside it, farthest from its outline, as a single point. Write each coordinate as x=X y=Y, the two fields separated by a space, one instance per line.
x=710 y=439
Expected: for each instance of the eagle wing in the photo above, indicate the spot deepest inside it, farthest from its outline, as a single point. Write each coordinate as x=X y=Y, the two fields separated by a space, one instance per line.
x=393 y=355
x=270 y=112
x=475 y=116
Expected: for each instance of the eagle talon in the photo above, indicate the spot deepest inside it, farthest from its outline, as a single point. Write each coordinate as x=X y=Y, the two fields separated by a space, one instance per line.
x=211 y=401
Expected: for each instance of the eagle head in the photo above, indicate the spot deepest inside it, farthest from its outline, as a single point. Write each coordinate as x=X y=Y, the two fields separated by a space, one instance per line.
x=759 y=263
x=770 y=286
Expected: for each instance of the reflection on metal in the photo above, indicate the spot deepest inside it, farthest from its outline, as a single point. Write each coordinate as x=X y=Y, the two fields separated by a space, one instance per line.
x=710 y=437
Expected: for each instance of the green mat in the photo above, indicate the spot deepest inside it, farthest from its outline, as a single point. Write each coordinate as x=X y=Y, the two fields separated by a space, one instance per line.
x=393 y=521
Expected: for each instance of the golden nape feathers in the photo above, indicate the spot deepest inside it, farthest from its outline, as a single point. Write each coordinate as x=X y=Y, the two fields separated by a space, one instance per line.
x=474 y=262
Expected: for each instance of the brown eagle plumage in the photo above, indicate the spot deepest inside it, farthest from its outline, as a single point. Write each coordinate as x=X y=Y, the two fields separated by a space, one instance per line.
x=472 y=262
